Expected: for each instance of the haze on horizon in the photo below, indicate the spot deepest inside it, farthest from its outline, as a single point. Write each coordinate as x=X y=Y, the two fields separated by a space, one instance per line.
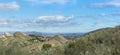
x=58 y=15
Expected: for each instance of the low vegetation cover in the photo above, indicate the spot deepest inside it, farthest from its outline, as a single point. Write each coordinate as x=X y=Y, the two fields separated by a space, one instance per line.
x=104 y=41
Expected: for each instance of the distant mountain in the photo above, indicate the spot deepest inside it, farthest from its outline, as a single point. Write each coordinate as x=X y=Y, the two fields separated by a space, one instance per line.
x=33 y=32
x=72 y=35
x=66 y=35
x=105 y=41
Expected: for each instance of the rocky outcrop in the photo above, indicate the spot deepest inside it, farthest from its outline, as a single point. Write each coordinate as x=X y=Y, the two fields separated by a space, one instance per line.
x=5 y=35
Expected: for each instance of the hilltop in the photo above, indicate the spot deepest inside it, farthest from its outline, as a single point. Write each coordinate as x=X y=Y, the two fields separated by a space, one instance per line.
x=30 y=43
x=103 y=41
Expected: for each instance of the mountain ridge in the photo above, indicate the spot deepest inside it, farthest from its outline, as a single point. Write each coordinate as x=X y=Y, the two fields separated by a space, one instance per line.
x=105 y=41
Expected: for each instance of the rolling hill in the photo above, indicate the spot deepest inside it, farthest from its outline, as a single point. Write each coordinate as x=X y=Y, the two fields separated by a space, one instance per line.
x=105 y=41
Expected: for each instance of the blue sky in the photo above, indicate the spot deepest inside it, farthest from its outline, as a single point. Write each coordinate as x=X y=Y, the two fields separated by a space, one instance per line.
x=58 y=15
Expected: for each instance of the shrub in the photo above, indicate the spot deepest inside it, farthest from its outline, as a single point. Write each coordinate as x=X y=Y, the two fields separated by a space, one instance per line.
x=47 y=46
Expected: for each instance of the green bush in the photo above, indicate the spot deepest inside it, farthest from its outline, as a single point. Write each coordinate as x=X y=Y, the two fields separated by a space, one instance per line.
x=46 y=46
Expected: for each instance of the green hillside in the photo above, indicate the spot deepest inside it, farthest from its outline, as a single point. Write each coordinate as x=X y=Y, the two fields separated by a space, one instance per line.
x=104 y=41
x=22 y=44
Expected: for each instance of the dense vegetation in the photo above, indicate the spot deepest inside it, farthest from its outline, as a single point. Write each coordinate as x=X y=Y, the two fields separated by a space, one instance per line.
x=104 y=41
x=100 y=42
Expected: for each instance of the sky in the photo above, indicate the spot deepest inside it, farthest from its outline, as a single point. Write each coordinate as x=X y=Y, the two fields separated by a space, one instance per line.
x=58 y=16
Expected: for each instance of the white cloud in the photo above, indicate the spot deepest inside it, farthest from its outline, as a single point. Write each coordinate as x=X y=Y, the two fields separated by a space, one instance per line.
x=41 y=21
x=49 y=1
x=116 y=13
x=3 y=22
x=112 y=3
x=57 y=18
x=50 y=21
x=113 y=14
x=103 y=15
x=54 y=1
x=32 y=0
x=12 y=5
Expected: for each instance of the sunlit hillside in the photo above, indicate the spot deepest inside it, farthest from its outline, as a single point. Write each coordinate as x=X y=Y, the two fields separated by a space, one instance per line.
x=99 y=42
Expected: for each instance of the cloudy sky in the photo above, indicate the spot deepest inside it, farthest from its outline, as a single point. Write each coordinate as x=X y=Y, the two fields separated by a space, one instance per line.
x=58 y=15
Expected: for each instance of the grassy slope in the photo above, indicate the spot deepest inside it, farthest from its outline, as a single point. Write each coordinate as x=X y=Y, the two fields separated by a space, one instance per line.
x=23 y=44
x=100 y=42
x=104 y=41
